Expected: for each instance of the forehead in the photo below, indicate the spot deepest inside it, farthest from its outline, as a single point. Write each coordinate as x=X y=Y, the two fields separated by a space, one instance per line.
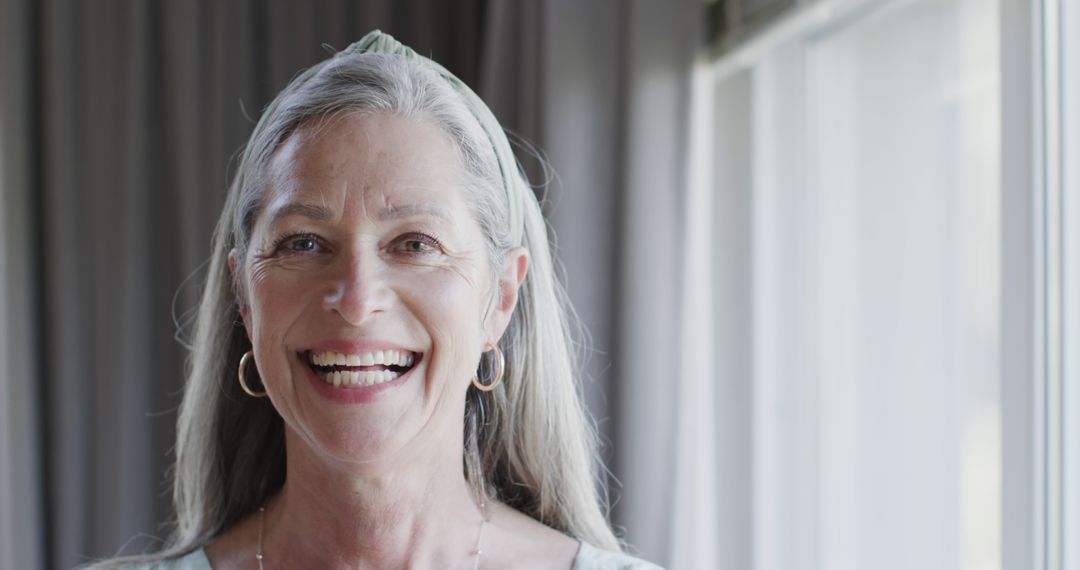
x=382 y=157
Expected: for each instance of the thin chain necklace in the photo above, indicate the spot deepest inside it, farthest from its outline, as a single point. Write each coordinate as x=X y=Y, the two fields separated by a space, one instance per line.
x=475 y=552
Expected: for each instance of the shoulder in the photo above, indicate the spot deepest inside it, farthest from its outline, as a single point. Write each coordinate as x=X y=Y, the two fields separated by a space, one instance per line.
x=195 y=560
x=590 y=557
x=520 y=541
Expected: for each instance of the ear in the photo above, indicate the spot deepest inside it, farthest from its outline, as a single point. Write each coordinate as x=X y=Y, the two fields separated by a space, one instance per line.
x=233 y=261
x=511 y=276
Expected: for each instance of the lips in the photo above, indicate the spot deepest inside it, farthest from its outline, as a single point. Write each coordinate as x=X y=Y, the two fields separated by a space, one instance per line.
x=370 y=368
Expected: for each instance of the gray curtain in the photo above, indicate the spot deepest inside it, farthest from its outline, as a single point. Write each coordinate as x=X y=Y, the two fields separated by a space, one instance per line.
x=604 y=88
x=120 y=119
x=134 y=111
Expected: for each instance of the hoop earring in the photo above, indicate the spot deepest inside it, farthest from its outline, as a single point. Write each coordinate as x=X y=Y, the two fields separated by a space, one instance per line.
x=500 y=368
x=241 y=372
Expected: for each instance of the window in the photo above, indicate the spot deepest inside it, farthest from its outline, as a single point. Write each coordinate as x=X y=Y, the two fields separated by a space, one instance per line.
x=862 y=174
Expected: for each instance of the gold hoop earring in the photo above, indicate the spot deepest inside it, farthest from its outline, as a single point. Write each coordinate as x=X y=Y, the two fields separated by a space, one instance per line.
x=244 y=360
x=500 y=369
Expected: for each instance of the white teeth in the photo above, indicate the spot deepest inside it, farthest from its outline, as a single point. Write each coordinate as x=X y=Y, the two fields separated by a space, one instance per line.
x=378 y=357
x=340 y=378
x=349 y=378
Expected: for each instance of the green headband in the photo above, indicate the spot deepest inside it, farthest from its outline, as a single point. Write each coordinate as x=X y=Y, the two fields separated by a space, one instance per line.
x=378 y=42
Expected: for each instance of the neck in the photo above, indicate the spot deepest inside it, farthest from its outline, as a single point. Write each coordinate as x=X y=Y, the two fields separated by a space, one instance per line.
x=391 y=513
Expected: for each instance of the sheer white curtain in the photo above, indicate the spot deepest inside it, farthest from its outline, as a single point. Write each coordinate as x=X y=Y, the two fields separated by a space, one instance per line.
x=857 y=329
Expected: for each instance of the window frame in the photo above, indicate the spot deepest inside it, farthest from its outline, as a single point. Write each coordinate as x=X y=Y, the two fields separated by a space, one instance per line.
x=1070 y=210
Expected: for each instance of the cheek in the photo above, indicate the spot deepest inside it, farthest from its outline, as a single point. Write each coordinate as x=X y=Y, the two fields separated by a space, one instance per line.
x=450 y=309
x=274 y=301
x=452 y=300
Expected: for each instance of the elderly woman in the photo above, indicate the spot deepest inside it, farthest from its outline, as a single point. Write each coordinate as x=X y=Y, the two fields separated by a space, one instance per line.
x=381 y=375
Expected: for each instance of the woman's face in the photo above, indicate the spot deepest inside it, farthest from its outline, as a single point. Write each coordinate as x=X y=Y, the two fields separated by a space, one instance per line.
x=369 y=294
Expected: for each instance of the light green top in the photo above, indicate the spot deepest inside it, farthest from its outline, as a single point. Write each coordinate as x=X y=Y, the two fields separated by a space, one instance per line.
x=588 y=557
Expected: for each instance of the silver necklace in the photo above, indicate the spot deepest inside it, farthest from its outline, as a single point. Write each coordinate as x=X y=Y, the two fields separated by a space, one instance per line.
x=475 y=552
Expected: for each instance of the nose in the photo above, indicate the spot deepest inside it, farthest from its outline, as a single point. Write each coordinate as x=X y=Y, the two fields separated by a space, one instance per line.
x=358 y=289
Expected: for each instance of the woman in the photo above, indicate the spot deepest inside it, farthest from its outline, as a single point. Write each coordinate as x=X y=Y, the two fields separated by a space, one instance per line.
x=381 y=375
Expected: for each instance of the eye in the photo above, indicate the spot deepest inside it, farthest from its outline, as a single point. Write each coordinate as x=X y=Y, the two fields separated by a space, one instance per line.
x=297 y=243
x=302 y=244
x=417 y=244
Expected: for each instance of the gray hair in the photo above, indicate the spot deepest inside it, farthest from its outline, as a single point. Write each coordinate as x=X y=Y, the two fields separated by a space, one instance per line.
x=528 y=443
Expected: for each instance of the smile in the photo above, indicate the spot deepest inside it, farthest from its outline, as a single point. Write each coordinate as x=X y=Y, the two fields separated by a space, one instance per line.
x=363 y=369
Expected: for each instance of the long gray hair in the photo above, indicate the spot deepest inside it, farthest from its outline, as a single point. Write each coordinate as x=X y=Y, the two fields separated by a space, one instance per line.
x=528 y=443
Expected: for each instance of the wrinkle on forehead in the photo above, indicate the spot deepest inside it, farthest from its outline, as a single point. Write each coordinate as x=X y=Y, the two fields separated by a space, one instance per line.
x=377 y=165
x=320 y=213
x=379 y=132
x=393 y=153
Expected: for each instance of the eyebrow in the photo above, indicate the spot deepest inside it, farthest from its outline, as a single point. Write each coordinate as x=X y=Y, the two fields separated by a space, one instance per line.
x=408 y=210
x=322 y=213
x=318 y=213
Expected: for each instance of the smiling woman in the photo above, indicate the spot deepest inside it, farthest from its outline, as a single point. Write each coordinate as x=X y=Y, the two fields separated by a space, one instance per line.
x=382 y=375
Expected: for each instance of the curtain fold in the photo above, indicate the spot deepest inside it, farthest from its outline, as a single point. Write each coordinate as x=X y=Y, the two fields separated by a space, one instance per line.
x=661 y=38
x=21 y=517
x=615 y=107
